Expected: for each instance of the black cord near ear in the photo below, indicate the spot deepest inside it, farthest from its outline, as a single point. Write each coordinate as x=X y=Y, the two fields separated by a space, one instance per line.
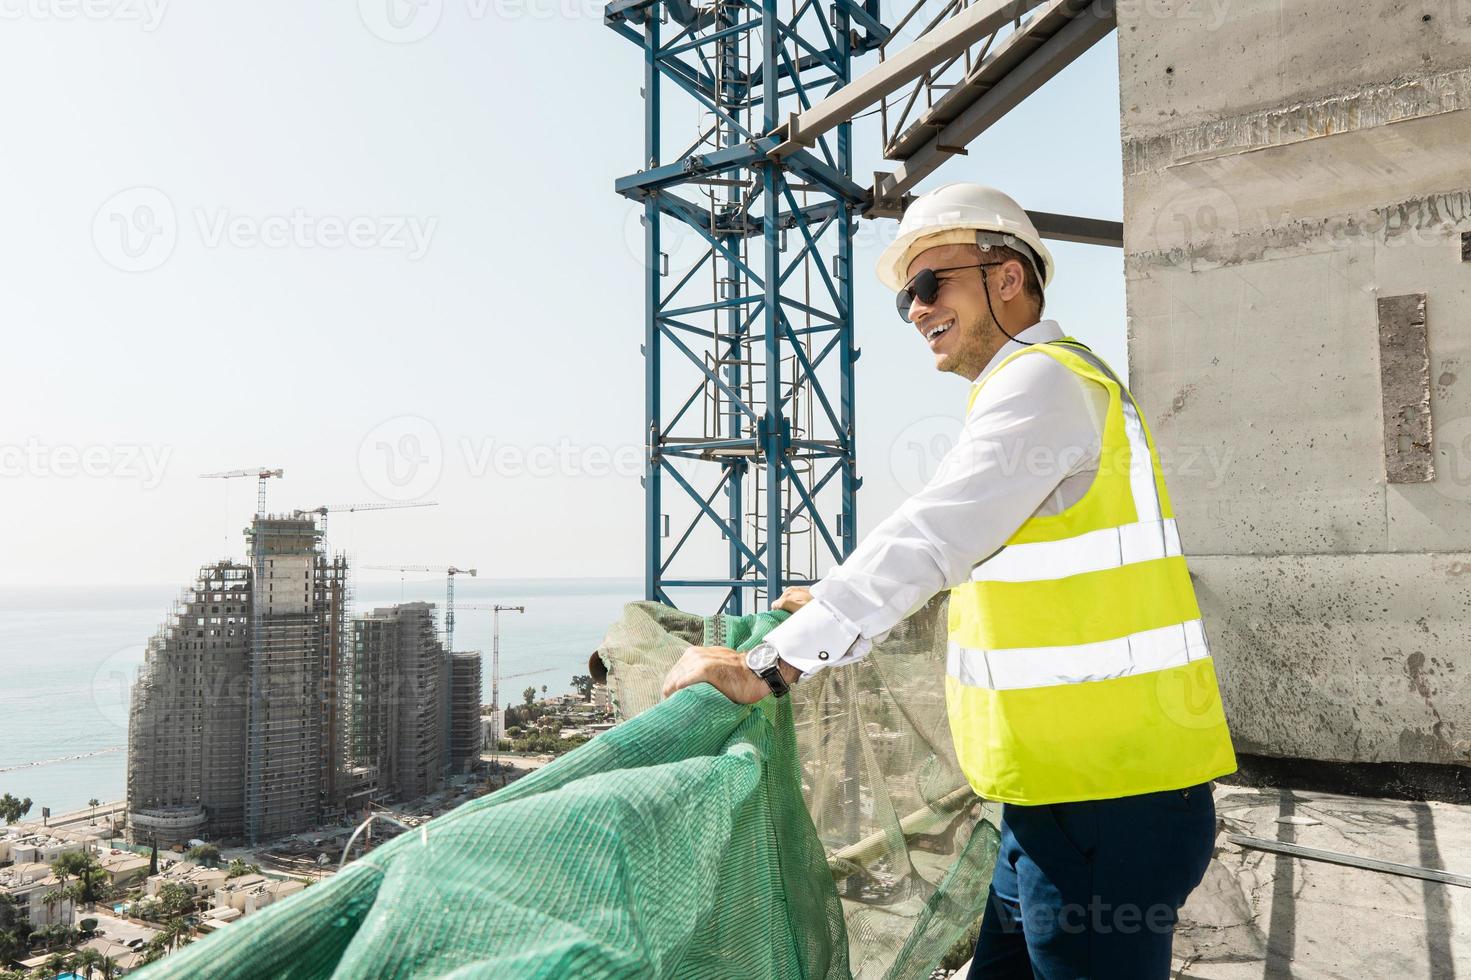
x=986 y=281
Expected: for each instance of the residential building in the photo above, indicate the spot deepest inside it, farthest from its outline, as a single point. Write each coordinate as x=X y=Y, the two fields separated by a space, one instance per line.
x=37 y=893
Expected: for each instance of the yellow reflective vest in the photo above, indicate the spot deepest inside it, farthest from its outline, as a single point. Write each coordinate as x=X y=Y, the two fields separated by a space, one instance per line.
x=1078 y=667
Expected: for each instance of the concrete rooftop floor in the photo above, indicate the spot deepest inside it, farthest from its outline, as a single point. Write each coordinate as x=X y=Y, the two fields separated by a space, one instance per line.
x=1260 y=914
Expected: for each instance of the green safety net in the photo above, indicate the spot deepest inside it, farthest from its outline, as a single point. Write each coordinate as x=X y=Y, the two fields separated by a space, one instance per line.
x=696 y=838
x=909 y=846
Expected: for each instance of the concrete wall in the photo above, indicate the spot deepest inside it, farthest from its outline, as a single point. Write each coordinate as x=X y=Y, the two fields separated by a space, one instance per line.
x=1287 y=165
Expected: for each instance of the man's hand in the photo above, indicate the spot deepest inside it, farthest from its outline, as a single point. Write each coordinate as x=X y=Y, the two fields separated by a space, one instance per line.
x=725 y=670
x=794 y=597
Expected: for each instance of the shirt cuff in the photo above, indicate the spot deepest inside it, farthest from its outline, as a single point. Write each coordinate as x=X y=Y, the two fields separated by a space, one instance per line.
x=813 y=638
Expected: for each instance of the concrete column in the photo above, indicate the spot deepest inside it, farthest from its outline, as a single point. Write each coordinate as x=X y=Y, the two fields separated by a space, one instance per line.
x=1297 y=230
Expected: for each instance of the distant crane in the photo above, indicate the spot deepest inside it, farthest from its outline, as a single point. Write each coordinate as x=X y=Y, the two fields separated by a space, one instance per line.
x=528 y=673
x=495 y=649
x=261 y=473
x=495 y=673
x=449 y=572
x=326 y=509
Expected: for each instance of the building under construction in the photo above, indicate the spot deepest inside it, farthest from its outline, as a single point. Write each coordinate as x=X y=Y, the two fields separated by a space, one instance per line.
x=464 y=709
x=400 y=688
x=231 y=732
x=295 y=627
x=260 y=711
x=186 y=726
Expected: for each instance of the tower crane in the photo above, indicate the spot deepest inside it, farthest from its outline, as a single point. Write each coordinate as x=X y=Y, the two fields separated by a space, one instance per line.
x=528 y=673
x=495 y=673
x=326 y=509
x=495 y=648
x=449 y=572
x=261 y=474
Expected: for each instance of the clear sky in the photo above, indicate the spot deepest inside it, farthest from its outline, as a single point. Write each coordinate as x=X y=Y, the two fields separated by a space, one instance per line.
x=242 y=234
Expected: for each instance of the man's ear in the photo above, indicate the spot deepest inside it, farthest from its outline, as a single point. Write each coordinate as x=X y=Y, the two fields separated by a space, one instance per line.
x=1013 y=280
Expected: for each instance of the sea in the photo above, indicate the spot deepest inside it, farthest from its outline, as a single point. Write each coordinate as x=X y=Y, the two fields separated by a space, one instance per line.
x=68 y=656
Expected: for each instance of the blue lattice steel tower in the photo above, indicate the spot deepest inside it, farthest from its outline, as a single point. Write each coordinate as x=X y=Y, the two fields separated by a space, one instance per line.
x=754 y=323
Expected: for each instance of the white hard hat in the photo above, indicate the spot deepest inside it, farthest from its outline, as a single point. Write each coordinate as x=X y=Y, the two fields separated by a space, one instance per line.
x=953 y=214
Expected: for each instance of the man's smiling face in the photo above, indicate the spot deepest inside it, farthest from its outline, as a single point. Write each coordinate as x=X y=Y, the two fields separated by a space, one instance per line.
x=957 y=326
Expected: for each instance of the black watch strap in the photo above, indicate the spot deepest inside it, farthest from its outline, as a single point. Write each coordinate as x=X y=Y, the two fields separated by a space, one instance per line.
x=774 y=680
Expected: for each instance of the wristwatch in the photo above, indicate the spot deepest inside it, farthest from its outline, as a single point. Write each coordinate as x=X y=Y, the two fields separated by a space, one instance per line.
x=762 y=658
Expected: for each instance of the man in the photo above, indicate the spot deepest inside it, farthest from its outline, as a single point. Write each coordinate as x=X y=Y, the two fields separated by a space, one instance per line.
x=1079 y=687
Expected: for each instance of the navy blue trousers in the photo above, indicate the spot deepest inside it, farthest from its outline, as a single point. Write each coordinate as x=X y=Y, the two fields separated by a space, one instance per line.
x=1093 y=889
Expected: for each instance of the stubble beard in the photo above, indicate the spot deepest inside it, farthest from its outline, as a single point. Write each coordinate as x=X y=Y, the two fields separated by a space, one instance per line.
x=972 y=354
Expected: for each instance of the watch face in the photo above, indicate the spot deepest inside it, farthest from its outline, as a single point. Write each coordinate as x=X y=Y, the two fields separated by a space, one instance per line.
x=761 y=657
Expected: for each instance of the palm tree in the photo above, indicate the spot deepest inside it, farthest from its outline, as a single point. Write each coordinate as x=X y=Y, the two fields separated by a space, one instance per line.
x=95 y=886
x=89 y=888
x=153 y=950
x=12 y=809
x=56 y=964
x=50 y=900
x=88 y=960
x=86 y=870
x=108 y=966
x=77 y=893
x=176 y=932
x=94 y=803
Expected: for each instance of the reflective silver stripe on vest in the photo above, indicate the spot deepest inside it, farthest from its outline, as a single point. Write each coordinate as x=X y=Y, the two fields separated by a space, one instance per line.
x=1092 y=551
x=1141 y=463
x=1019 y=667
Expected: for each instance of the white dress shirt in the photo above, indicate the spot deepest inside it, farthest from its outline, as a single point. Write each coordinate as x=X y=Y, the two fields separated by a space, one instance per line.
x=1029 y=445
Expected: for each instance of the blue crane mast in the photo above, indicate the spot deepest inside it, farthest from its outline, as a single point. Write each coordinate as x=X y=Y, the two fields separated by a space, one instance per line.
x=755 y=324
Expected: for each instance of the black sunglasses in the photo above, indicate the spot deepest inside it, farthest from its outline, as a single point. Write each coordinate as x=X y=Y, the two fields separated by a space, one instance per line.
x=926 y=286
